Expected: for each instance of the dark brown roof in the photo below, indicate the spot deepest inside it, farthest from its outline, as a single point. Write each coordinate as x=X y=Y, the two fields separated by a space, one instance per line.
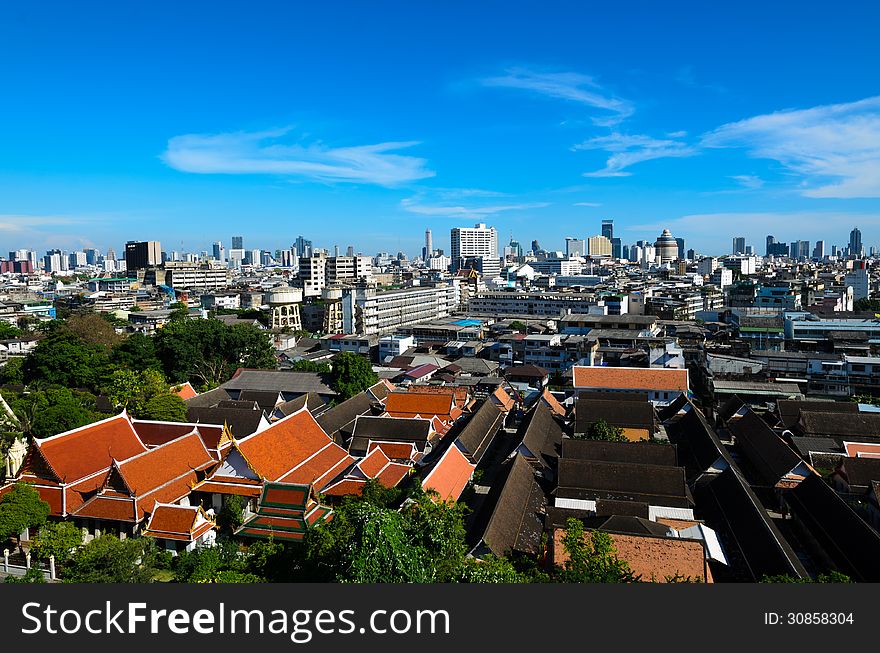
x=516 y=523
x=838 y=425
x=645 y=453
x=481 y=429
x=699 y=447
x=389 y=429
x=624 y=414
x=341 y=417
x=852 y=545
x=789 y=409
x=753 y=543
x=208 y=399
x=312 y=401
x=653 y=484
x=242 y=422
x=597 y=395
x=861 y=472
x=527 y=372
x=542 y=435
x=766 y=452
x=266 y=399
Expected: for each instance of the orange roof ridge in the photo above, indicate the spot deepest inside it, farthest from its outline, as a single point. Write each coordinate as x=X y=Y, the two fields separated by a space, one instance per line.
x=40 y=441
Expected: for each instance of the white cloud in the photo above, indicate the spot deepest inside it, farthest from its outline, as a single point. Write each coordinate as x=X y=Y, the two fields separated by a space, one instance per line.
x=751 y=182
x=587 y=204
x=628 y=149
x=417 y=205
x=835 y=147
x=266 y=153
x=573 y=87
x=25 y=223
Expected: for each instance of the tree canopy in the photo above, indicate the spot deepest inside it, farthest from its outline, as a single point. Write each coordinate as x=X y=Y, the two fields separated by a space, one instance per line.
x=65 y=359
x=107 y=559
x=351 y=375
x=602 y=430
x=21 y=508
x=59 y=539
x=592 y=559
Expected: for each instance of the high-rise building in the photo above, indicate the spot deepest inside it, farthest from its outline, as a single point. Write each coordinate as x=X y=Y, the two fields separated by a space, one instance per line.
x=616 y=249
x=140 y=255
x=608 y=229
x=598 y=246
x=77 y=260
x=819 y=250
x=349 y=251
x=575 y=247
x=624 y=254
x=855 y=242
x=536 y=247
x=739 y=245
x=777 y=249
x=475 y=242
x=237 y=242
x=111 y=254
x=770 y=242
x=303 y=247
x=665 y=247
x=691 y=254
x=219 y=251
x=800 y=249
x=92 y=255
x=681 y=252
x=428 y=249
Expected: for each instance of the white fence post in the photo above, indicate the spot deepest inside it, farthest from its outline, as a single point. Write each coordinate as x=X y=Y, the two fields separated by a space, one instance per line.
x=6 y=560
x=52 y=567
x=27 y=560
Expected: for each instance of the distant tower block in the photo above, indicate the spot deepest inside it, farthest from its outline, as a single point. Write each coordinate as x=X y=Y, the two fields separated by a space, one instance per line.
x=284 y=303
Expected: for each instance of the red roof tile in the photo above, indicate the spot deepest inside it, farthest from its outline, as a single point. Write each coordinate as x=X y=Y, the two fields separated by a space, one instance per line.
x=450 y=475
x=631 y=378
x=90 y=449
x=185 y=391
x=410 y=404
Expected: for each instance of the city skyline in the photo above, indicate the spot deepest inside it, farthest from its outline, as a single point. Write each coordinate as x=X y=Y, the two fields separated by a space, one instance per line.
x=524 y=125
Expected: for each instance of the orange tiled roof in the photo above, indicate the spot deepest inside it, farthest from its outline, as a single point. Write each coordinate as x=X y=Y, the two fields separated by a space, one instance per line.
x=149 y=471
x=155 y=433
x=373 y=463
x=862 y=449
x=169 y=521
x=450 y=475
x=459 y=393
x=185 y=391
x=90 y=449
x=394 y=450
x=410 y=404
x=552 y=403
x=503 y=400
x=631 y=378
x=295 y=449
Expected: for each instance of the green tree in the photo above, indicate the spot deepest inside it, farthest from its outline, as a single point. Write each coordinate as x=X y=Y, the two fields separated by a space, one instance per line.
x=8 y=331
x=59 y=539
x=231 y=515
x=866 y=304
x=518 y=326
x=21 y=508
x=12 y=373
x=207 y=352
x=57 y=410
x=107 y=559
x=490 y=570
x=137 y=352
x=827 y=577
x=310 y=366
x=591 y=559
x=92 y=329
x=64 y=359
x=165 y=407
x=602 y=430
x=34 y=575
x=223 y=563
x=351 y=375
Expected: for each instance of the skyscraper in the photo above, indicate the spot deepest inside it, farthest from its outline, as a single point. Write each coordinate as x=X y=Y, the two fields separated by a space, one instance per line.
x=140 y=255
x=680 y=242
x=739 y=245
x=574 y=247
x=616 y=249
x=237 y=242
x=770 y=242
x=819 y=250
x=428 y=249
x=855 y=242
x=219 y=252
x=303 y=247
x=478 y=244
x=608 y=229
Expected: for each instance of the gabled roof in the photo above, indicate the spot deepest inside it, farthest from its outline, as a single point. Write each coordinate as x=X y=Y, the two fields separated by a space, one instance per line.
x=838 y=425
x=860 y=472
x=90 y=449
x=461 y=394
x=185 y=391
x=624 y=414
x=294 y=450
x=241 y=421
x=862 y=449
x=367 y=428
x=790 y=409
x=593 y=480
x=646 y=453
x=631 y=378
x=285 y=511
x=340 y=418
x=772 y=459
x=502 y=399
x=449 y=475
x=312 y=401
x=542 y=436
x=412 y=404
x=480 y=431
x=279 y=381
x=516 y=523
x=851 y=543
x=375 y=465
x=154 y=433
x=182 y=523
x=552 y=403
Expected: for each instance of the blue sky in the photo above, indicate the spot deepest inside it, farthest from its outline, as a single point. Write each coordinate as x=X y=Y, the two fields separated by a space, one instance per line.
x=365 y=123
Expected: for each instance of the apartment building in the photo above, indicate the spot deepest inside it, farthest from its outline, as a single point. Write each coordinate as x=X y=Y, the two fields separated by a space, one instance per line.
x=365 y=310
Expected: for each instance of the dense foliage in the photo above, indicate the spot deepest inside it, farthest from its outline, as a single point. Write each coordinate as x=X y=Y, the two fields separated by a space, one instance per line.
x=592 y=559
x=602 y=430
x=59 y=539
x=351 y=375
x=107 y=559
x=21 y=508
